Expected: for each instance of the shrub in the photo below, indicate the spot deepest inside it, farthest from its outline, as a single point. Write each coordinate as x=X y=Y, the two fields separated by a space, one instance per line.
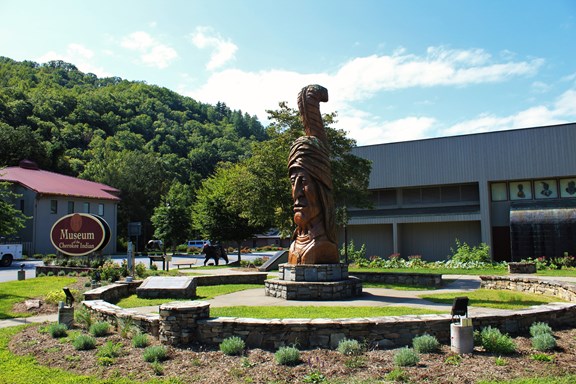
x=105 y=361
x=543 y=357
x=349 y=347
x=61 y=273
x=155 y=353
x=495 y=342
x=83 y=317
x=84 y=343
x=42 y=274
x=157 y=368
x=110 y=350
x=110 y=271
x=57 y=295
x=50 y=273
x=398 y=375
x=126 y=327
x=99 y=329
x=140 y=340
x=57 y=330
x=464 y=253
x=232 y=346
x=539 y=328
x=543 y=342
x=425 y=344
x=287 y=356
x=406 y=357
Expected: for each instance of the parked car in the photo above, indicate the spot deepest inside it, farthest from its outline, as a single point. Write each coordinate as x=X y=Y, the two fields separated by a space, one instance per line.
x=197 y=243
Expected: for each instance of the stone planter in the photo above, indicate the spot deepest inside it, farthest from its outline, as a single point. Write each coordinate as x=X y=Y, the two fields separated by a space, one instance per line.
x=521 y=267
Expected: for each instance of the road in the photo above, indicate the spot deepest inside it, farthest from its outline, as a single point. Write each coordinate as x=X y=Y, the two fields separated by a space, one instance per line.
x=11 y=273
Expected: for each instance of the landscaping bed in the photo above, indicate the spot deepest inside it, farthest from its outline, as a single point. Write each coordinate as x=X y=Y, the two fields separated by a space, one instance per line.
x=200 y=365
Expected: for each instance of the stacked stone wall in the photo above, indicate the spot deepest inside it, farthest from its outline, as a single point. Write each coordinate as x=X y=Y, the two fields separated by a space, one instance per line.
x=182 y=323
x=422 y=279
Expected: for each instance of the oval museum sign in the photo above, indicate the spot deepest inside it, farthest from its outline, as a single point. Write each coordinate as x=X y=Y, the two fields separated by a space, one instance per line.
x=79 y=234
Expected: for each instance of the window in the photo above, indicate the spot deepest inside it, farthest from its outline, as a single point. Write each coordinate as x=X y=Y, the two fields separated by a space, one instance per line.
x=70 y=207
x=499 y=192
x=568 y=187
x=521 y=190
x=100 y=209
x=86 y=207
x=53 y=206
x=22 y=205
x=545 y=189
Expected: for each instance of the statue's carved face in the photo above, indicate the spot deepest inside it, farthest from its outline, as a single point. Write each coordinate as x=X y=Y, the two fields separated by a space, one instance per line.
x=305 y=195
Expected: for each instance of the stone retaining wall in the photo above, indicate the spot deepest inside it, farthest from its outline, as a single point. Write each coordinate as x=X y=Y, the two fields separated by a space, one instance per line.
x=55 y=269
x=565 y=291
x=237 y=278
x=182 y=323
x=104 y=311
x=113 y=292
x=423 y=279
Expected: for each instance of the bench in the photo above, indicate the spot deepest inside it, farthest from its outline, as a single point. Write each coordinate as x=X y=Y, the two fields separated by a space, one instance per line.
x=158 y=258
x=183 y=263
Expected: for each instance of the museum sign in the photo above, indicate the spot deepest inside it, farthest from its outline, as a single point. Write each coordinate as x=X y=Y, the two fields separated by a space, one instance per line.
x=79 y=234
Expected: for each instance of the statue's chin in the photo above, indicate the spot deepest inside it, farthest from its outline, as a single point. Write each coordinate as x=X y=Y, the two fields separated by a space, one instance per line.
x=298 y=218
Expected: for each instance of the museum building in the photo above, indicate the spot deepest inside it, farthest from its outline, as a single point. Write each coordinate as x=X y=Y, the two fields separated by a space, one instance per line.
x=514 y=190
x=46 y=197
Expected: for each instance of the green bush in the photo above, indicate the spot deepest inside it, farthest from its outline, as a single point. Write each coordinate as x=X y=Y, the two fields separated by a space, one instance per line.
x=84 y=343
x=140 y=340
x=349 y=347
x=155 y=353
x=232 y=346
x=110 y=350
x=50 y=273
x=99 y=329
x=61 y=273
x=83 y=317
x=406 y=357
x=57 y=295
x=57 y=330
x=543 y=342
x=105 y=361
x=494 y=341
x=425 y=344
x=287 y=356
x=539 y=328
x=464 y=253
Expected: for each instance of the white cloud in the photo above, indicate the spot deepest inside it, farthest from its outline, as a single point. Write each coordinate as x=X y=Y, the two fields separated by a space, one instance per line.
x=152 y=52
x=79 y=56
x=560 y=112
x=222 y=50
x=360 y=80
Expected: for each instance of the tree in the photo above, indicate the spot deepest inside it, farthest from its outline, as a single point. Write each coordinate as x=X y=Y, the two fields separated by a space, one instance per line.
x=216 y=213
x=264 y=192
x=11 y=219
x=172 y=217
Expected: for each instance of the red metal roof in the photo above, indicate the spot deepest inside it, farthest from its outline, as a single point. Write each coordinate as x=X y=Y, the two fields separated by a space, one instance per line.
x=50 y=183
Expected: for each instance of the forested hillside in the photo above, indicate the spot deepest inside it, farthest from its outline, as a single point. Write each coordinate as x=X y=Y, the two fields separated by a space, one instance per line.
x=136 y=137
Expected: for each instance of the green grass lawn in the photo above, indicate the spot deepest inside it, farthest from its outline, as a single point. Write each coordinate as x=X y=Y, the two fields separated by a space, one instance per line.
x=571 y=272
x=399 y=287
x=202 y=293
x=491 y=298
x=317 y=312
x=13 y=292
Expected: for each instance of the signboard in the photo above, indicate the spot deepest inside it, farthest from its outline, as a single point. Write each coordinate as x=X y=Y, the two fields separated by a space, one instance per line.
x=79 y=234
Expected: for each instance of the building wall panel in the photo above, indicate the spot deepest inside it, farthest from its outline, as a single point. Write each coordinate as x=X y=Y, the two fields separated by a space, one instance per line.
x=433 y=241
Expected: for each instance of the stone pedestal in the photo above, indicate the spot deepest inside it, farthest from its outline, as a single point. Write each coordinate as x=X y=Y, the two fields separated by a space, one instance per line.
x=313 y=282
x=22 y=275
x=66 y=316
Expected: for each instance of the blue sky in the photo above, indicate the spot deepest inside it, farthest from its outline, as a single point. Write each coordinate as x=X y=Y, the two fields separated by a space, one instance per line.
x=395 y=70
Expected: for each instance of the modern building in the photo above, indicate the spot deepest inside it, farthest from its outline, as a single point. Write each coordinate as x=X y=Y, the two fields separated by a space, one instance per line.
x=514 y=190
x=47 y=196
